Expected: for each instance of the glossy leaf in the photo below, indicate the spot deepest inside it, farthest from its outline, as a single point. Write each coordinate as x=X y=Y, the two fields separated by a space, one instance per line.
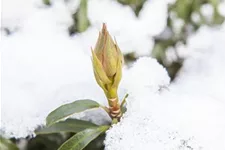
x=83 y=138
x=69 y=109
x=6 y=144
x=69 y=125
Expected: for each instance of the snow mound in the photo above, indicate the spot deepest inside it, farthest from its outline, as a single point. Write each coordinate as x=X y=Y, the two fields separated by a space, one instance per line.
x=186 y=115
x=145 y=77
x=203 y=72
x=140 y=131
x=145 y=123
x=42 y=68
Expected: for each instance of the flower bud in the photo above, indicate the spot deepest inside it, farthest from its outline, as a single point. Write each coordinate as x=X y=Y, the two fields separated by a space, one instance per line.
x=107 y=60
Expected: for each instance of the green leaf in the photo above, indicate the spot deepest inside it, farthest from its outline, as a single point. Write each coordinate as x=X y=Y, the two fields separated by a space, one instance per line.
x=81 y=22
x=123 y=109
x=83 y=138
x=6 y=144
x=69 y=109
x=69 y=125
x=47 y=2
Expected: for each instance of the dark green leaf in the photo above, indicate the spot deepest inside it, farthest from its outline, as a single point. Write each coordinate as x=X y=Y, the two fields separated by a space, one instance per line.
x=69 y=109
x=97 y=144
x=83 y=138
x=69 y=125
x=6 y=144
x=46 y=141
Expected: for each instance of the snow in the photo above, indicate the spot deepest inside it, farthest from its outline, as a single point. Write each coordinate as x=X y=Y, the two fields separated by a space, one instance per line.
x=146 y=73
x=144 y=134
x=188 y=114
x=202 y=77
x=132 y=34
x=195 y=17
x=203 y=72
x=221 y=8
x=148 y=16
x=43 y=68
x=207 y=11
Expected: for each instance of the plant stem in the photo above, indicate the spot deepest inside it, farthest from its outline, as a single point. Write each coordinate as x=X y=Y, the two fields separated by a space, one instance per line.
x=115 y=121
x=114 y=106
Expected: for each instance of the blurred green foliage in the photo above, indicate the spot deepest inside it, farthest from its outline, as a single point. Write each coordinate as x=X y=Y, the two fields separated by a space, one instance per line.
x=46 y=142
x=136 y=5
x=54 y=141
x=81 y=22
x=184 y=11
x=6 y=144
x=47 y=2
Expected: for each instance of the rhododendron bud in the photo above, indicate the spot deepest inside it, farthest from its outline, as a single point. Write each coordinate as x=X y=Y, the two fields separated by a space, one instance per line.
x=107 y=60
x=107 y=65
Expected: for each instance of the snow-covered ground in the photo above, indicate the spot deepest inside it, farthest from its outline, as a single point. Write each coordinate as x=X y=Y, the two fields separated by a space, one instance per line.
x=43 y=68
x=189 y=113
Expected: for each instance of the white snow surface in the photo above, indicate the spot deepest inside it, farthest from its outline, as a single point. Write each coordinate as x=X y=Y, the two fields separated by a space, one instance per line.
x=43 y=68
x=132 y=34
x=188 y=114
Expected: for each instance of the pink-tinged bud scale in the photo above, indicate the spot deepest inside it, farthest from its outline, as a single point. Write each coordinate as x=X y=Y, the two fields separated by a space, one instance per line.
x=107 y=65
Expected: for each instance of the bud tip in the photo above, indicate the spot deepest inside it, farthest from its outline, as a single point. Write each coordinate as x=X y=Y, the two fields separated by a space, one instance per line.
x=104 y=28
